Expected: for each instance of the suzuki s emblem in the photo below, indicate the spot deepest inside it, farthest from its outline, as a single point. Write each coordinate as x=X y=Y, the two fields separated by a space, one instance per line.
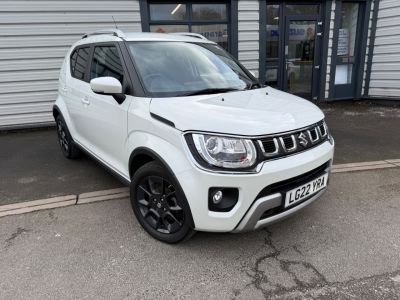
x=302 y=139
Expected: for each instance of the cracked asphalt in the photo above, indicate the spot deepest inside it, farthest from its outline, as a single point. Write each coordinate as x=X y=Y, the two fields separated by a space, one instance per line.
x=344 y=246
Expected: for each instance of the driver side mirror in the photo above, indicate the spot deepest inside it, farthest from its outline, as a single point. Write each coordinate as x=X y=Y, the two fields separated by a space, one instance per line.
x=108 y=86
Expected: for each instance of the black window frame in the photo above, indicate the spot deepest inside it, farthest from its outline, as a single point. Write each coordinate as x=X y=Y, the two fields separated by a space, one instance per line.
x=147 y=22
x=76 y=49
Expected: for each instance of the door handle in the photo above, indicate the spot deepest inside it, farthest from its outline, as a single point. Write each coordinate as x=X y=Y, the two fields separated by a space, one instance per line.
x=85 y=100
x=64 y=90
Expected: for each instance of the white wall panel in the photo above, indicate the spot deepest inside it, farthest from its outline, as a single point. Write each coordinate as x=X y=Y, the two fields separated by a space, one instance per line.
x=248 y=35
x=385 y=69
x=330 y=43
x=34 y=37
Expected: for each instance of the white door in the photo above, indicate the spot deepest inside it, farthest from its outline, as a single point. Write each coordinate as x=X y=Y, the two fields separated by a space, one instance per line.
x=105 y=121
x=76 y=90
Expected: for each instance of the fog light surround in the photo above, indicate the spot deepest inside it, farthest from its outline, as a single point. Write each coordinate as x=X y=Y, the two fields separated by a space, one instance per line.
x=222 y=199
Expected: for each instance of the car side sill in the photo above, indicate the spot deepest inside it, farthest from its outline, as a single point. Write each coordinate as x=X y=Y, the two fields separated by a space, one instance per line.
x=114 y=172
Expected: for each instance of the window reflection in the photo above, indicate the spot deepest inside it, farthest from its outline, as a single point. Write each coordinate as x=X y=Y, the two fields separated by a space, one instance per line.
x=210 y=20
x=209 y=12
x=272 y=31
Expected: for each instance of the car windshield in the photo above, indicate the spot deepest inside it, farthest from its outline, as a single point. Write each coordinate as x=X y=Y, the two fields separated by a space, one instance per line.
x=170 y=69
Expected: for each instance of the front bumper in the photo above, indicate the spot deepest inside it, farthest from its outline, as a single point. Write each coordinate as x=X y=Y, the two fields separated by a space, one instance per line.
x=253 y=219
x=252 y=203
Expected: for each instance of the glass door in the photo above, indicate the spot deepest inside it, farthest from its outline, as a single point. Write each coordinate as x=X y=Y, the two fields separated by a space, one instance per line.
x=293 y=34
x=300 y=52
x=347 y=55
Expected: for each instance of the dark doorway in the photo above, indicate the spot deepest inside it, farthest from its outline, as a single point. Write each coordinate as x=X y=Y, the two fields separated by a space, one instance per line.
x=294 y=34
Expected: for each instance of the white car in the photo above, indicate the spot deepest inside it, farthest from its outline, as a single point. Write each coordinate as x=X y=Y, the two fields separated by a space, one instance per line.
x=203 y=146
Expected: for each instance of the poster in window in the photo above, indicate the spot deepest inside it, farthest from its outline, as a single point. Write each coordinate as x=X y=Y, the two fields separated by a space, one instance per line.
x=343 y=42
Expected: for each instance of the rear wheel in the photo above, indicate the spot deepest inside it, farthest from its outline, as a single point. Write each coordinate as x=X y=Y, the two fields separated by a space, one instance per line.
x=67 y=145
x=159 y=204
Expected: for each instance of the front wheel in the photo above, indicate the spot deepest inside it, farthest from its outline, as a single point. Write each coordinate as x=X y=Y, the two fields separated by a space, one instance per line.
x=159 y=204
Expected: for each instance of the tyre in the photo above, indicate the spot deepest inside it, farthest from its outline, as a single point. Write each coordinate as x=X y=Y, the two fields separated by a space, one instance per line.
x=67 y=145
x=160 y=204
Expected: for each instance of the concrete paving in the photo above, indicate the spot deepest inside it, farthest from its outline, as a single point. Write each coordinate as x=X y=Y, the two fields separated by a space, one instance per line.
x=32 y=166
x=344 y=246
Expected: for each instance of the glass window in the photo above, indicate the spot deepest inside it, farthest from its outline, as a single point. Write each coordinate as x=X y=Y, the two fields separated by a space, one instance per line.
x=178 y=68
x=214 y=32
x=79 y=61
x=106 y=62
x=272 y=31
x=209 y=12
x=271 y=76
x=302 y=9
x=210 y=20
x=346 y=46
x=343 y=74
x=168 y=12
x=169 y=28
x=348 y=29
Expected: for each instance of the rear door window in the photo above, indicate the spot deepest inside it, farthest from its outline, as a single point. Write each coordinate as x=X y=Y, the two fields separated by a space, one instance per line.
x=79 y=61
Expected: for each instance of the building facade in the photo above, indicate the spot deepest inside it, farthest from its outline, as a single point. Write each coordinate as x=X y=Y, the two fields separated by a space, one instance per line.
x=321 y=50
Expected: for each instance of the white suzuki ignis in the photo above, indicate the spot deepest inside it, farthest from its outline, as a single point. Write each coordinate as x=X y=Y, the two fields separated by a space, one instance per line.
x=202 y=144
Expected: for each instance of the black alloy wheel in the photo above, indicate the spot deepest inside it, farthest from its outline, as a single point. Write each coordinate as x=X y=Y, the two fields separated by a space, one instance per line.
x=67 y=145
x=159 y=204
x=62 y=136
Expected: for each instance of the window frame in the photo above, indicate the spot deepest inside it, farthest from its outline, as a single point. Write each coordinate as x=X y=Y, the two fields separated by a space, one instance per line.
x=85 y=75
x=190 y=22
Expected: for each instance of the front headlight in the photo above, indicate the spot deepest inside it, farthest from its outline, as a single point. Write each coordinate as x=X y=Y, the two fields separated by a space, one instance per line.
x=225 y=152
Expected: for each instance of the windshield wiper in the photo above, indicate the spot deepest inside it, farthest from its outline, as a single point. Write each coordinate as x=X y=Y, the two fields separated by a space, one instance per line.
x=211 y=91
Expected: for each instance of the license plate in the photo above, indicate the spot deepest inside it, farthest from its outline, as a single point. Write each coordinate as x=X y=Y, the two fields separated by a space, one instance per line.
x=306 y=190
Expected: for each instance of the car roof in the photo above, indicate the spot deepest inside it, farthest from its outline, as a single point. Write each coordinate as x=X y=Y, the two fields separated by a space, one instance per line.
x=117 y=35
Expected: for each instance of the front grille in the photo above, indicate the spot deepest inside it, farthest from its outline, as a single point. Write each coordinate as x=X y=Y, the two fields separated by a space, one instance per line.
x=269 y=146
x=280 y=145
x=322 y=130
x=314 y=134
x=288 y=142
